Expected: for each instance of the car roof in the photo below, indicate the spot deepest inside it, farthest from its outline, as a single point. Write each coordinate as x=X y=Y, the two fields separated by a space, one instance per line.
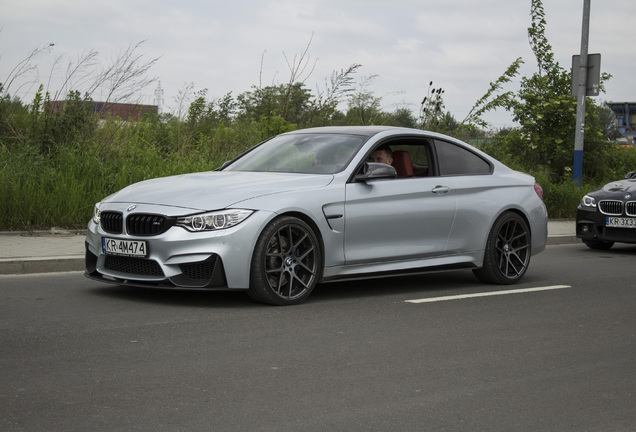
x=367 y=131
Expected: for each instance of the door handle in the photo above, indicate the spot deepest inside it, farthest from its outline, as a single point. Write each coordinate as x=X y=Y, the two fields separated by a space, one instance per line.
x=441 y=189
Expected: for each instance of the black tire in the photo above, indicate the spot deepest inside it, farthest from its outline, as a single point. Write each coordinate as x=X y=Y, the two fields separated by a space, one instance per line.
x=286 y=263
x=598 y=244
x=508 y=251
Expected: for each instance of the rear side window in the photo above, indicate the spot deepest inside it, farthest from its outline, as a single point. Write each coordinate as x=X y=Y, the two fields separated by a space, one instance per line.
x=455 y=160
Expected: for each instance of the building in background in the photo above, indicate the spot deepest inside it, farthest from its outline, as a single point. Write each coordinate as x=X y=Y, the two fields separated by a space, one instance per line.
x=125 y=112
x=625 y=113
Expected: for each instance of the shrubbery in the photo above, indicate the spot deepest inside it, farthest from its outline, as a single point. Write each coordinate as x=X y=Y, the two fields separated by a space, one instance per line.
x=55 y=166
x=47 y=180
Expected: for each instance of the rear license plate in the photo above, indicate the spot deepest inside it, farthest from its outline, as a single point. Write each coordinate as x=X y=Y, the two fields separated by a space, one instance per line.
x=124 y=247
x=616 y=222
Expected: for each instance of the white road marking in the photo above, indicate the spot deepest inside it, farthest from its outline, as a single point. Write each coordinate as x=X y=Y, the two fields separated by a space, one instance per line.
x=487 y=294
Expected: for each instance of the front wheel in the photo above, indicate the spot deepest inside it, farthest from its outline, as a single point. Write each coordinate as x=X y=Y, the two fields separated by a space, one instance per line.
x=286 y=263
x=507 y=254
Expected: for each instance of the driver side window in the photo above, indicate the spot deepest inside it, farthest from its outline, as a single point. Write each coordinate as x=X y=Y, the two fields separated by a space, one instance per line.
x=410 y=157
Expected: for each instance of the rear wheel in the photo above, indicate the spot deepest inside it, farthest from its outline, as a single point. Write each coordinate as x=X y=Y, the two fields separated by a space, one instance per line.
x=286 y=263
x=598 y=244
x=507 y=254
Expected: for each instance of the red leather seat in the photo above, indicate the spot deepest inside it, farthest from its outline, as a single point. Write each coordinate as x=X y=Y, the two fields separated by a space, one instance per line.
x=402 y=163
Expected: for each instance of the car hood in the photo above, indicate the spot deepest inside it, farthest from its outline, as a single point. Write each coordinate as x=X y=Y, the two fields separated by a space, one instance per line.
x=215 y=189
x=620 y=186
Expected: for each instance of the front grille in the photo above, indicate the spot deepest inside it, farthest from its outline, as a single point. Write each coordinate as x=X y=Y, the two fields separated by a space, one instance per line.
x=611 y=207
x=146 y=224
x=112 y=222
x=630 y=208
x=133 y=266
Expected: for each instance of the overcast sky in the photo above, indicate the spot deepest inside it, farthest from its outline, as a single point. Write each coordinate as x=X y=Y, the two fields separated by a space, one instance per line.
x=229 y=46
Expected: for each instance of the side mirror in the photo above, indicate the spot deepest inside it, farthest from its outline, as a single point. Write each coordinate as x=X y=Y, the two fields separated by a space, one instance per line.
x=630 y=175
x=375 y=171
x=226 y=163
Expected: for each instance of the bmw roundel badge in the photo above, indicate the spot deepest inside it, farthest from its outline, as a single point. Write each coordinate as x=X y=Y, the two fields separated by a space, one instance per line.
x=132 y=207
x=628 y=196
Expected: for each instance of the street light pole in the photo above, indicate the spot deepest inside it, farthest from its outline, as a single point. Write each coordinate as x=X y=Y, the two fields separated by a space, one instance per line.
x=577 y=171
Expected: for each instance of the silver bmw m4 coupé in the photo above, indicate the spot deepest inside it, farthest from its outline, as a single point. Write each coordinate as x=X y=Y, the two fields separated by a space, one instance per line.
x=320 y=205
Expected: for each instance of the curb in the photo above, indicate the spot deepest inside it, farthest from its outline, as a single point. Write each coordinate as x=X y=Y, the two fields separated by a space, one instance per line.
x=41 y=265
x=563 y=240
x=53 y=232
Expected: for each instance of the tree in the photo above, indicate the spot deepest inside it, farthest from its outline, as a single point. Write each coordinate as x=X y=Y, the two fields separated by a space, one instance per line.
x=125 y=77
x=545 y=111
x=401 y=117
x=491 y=100
x=324 y=105
x=296 y=80
x=608 y=120
x=364 y=106
x=269 y=102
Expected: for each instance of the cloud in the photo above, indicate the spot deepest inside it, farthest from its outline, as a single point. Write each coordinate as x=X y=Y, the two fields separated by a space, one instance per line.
x=461 y=45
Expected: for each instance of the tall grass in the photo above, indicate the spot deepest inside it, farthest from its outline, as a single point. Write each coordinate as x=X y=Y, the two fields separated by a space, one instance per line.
x=39 y=190
x=52 y=170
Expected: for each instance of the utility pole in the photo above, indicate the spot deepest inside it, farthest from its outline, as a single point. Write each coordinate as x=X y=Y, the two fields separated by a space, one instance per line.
x=577 y=171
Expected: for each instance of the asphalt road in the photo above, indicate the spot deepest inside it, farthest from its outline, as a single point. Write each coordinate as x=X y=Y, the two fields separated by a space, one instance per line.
x=80 y=356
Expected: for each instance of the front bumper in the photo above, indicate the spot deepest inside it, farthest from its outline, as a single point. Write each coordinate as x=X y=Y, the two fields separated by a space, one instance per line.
x=178 y=258
x=143 y=272
x=590 y=225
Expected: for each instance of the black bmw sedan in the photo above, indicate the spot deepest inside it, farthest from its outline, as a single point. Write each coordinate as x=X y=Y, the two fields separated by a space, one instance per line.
x=608 y=215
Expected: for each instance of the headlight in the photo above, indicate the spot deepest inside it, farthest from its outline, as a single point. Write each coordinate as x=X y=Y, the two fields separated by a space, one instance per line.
x=213 y=221
x=588 y=201
x=97 y=214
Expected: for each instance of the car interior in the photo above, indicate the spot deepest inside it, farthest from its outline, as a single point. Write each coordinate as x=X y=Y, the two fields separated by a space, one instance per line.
x=410 y=157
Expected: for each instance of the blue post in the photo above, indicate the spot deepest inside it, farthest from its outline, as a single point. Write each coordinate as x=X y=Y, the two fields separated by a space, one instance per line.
x=577 y=173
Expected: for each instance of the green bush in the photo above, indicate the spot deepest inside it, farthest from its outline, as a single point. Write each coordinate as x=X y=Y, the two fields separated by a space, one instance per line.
x=55 y=165
x=561 y=199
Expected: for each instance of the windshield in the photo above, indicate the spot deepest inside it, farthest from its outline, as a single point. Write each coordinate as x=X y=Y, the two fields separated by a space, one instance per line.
x=301 y=153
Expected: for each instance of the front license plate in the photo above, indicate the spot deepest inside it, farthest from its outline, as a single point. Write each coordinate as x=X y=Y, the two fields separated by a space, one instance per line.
x=124 y=247
x=616 y=222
